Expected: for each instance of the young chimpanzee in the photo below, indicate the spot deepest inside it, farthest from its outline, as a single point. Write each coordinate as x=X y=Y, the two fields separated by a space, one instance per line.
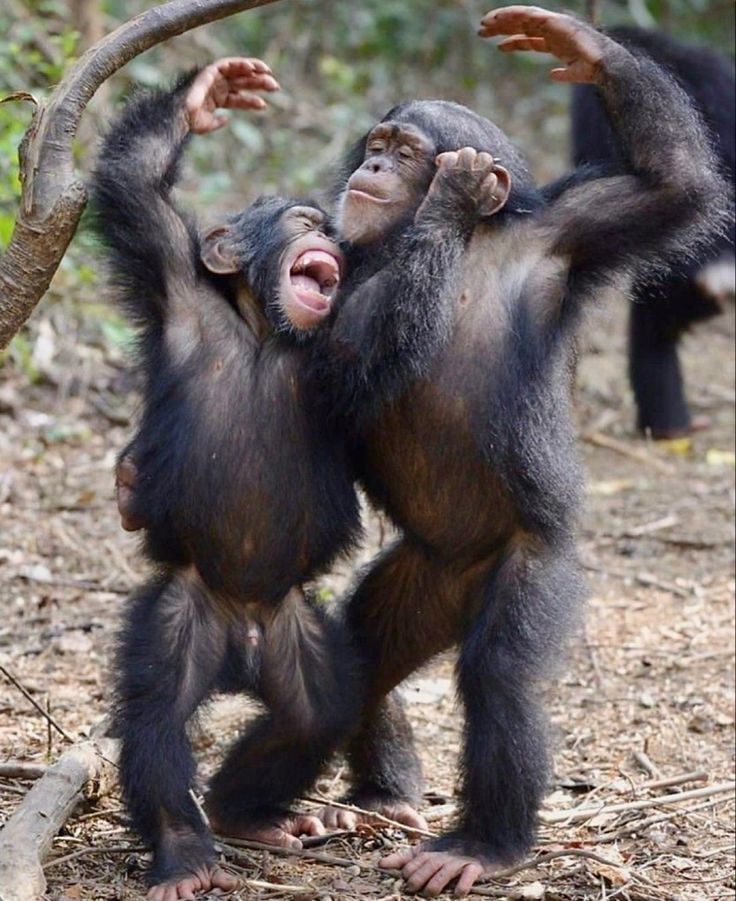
x=244 y=485
x=470 y=448
x=246 y=492
x=695 y=287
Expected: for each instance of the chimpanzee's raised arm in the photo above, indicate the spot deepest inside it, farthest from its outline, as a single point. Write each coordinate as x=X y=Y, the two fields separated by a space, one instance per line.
x=152 y=245
x=671 y=198
x=137 y=167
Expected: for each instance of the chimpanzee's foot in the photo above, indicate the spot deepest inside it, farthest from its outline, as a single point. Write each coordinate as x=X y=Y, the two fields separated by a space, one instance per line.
x=696 y=424
x=184 y=888
x=184 y=864
x=429 y=868
x=282 y=832
x=392 y=808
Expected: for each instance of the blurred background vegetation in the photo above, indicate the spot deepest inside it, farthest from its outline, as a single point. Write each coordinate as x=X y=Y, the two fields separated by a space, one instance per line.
x=341 y=64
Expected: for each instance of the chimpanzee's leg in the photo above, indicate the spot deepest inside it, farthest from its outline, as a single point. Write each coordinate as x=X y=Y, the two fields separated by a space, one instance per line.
x=659 y=316
x=521 y=623
x=171 y=647
x=310 y=681
x=404 y=612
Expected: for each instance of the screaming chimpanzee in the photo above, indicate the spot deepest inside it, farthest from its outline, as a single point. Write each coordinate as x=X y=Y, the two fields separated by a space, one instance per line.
x=242 y=481
x=695 y=286
x=460 y=419
x=246 y=493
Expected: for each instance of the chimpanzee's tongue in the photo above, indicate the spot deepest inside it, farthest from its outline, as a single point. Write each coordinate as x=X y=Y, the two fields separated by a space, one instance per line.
x=308 y=292
x=305 y=283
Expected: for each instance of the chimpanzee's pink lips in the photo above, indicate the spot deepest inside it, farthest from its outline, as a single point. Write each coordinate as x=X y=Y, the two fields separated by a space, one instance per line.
x=357 y=194
x=315 y=278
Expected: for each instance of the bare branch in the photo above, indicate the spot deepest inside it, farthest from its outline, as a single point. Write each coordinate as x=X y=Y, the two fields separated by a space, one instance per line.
x=53 y=198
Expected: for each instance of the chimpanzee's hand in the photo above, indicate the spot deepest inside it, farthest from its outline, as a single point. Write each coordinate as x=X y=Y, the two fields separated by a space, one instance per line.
x=224 y=85
x=578 y=45
x=467 y=183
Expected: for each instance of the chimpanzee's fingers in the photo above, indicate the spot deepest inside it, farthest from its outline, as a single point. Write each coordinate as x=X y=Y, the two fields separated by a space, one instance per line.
x=449 y=158
x=244 y=101
x=254 y=82
x=240 y=65
x=484 y=160
x=523 y=42
x=529 y=20
x=467 y=157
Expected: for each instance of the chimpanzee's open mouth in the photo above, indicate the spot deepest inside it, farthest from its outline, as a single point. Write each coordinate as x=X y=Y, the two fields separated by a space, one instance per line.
x=315 y=277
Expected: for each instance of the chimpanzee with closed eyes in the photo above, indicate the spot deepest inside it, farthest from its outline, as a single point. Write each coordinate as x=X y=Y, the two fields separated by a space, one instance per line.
x=244 y=484
x=459 y=414
x=695 y=287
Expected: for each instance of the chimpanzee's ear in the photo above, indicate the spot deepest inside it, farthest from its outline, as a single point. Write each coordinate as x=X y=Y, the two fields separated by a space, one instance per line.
x=217 y=252
x=500 y=193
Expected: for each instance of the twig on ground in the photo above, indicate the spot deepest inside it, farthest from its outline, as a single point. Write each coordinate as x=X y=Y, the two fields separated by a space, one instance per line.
x=548 y=856
x=599 y=439
x=583 y=813
x=233 y=844
x=27 y=836
x=29 y=697
x=95 y=849
x=639 y=825
x=646 y=764
x=692 y=776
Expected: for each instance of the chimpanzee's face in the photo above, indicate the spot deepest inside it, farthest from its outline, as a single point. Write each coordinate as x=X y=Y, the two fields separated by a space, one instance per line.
x=310 y=270
x=286 y=259
x=384 y=192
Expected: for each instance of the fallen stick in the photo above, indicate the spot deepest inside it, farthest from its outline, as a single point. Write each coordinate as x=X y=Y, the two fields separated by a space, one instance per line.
x=584 y=813
x=640 y=825
x=633 y=453
x=31 y=700
x=692 y=776
x=86 y=769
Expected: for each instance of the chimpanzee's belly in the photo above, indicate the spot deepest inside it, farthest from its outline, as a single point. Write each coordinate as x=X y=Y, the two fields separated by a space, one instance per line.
x=423 y=463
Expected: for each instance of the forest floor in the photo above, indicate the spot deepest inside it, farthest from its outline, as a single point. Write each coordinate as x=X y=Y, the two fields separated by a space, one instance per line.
x=643 y=711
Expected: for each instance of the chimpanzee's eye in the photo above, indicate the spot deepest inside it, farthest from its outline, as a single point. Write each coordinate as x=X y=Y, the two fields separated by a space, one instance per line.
x=405 y=153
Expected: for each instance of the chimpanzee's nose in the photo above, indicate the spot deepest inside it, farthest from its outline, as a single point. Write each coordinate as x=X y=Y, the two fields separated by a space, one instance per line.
x=379 y=164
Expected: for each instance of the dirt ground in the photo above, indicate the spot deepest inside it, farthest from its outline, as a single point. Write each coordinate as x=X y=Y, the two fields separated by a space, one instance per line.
x=643 y=712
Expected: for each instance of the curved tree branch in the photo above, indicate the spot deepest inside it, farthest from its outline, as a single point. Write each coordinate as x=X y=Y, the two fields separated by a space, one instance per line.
x=53 y=198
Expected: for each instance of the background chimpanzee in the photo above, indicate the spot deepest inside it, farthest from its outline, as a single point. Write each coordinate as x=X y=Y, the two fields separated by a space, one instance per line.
x=244 y=486
x=471 y=448
x=695 y=286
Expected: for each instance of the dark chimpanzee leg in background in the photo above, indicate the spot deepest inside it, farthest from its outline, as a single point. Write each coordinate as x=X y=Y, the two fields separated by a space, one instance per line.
x=309 y=681
x=171 y=649
x=659 y=316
